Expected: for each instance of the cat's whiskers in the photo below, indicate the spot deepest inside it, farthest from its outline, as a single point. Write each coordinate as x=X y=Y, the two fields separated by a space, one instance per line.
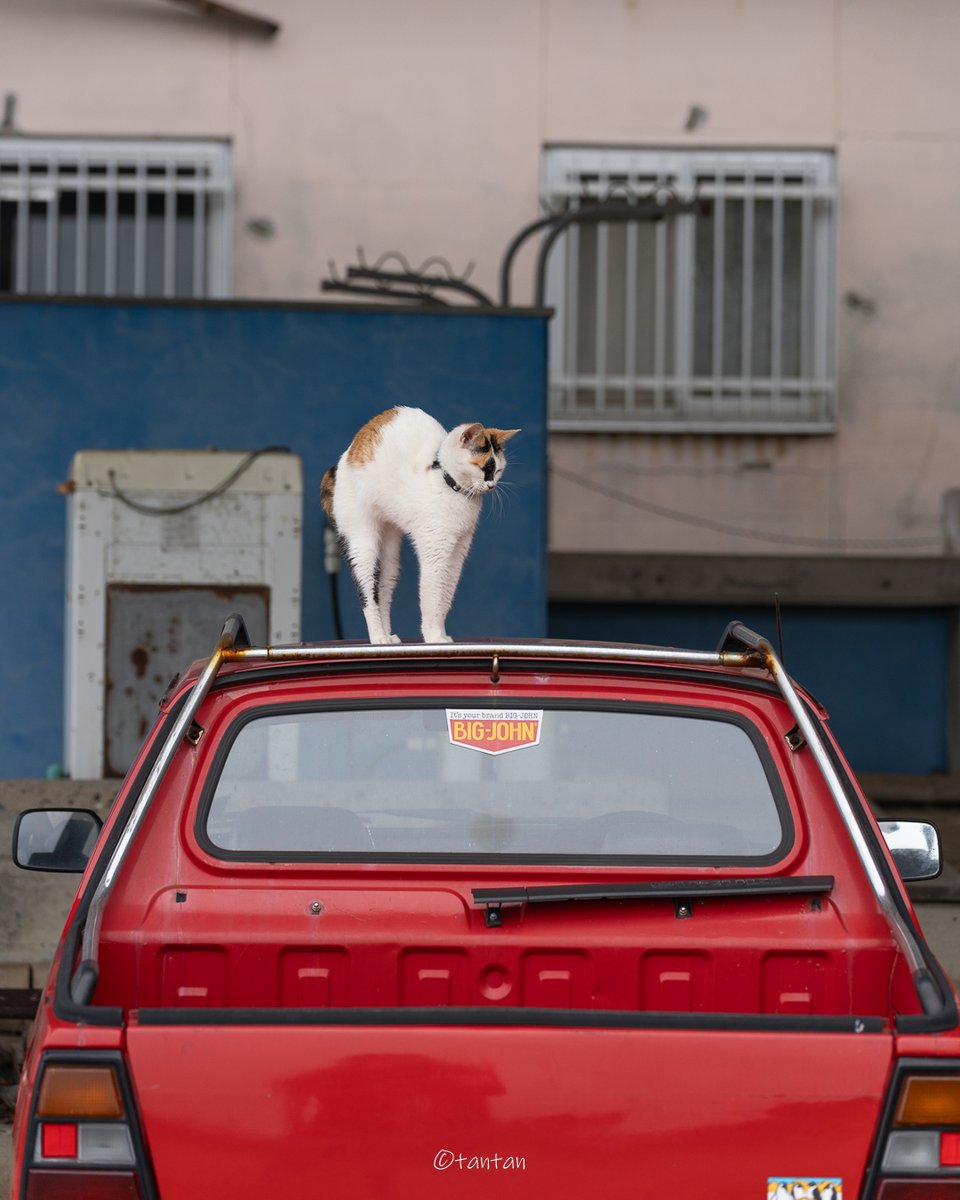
x=500 y=496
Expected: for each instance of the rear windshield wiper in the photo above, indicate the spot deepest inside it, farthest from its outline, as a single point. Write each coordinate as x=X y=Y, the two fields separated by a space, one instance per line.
x=665 y=889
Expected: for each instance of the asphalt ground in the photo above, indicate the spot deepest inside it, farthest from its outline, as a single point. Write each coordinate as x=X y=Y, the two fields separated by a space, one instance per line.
x=5 y=1145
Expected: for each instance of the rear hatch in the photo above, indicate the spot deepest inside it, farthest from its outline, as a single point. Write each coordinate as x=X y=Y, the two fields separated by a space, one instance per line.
x=434 y=1105
x=678 y=1058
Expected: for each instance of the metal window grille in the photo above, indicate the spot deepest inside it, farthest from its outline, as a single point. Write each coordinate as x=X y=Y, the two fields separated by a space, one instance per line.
x=719 y=320
x=115 y=217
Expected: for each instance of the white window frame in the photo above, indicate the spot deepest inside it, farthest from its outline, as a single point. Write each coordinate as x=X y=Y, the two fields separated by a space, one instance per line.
x=671 y=396
x=50 y=259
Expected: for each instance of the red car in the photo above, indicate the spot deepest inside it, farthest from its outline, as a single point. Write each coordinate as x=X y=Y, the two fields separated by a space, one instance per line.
x=534 y=920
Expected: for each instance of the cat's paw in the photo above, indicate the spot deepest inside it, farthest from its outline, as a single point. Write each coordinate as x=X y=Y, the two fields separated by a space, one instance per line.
x=393 y=639
x=439 y=639
x=388 y=639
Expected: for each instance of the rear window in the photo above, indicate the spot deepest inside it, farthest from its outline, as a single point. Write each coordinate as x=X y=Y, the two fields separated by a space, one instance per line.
x=474 y=784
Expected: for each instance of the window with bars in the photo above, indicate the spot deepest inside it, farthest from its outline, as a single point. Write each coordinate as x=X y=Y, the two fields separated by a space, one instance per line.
x=715 y=319
x=115 y=217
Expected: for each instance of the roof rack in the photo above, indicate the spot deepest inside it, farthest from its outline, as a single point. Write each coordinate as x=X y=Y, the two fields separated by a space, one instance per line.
x=739 y=646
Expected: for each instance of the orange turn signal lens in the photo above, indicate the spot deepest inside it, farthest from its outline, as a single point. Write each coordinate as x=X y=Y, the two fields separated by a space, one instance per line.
x=75 y=1091
x=929 y=1100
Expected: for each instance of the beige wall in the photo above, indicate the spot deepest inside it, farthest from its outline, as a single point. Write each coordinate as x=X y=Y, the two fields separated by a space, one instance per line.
x=419 y=125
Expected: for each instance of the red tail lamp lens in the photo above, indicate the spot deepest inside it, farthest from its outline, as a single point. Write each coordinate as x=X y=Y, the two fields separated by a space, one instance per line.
x=90 y=1185
x=919 y=1189
x=59 y=1141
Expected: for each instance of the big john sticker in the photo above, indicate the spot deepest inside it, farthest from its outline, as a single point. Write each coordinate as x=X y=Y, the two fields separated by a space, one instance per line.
x=494 y=732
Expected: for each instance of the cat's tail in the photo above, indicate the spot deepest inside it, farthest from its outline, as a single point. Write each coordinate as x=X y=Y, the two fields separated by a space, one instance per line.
x=327 y=484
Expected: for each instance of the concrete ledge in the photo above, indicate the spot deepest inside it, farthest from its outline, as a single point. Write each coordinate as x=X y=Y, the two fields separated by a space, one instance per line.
x=909 y=790
x=34 y=905
x=851 y=580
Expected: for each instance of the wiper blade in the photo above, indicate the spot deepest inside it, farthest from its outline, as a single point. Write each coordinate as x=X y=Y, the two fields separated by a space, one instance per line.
x=670 y=889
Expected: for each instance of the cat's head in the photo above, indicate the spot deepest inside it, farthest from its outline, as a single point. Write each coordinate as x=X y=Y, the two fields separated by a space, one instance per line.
x=476 y=458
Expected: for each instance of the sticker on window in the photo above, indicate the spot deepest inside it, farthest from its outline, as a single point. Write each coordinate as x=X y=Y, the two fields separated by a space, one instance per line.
x=782 y=1187
x=494 y=732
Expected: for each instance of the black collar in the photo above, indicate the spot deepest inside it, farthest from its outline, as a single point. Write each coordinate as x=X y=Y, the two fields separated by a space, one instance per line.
x=447 y=478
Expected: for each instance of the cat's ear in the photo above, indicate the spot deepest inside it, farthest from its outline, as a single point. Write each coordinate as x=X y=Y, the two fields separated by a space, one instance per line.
x=471 y=433
x=502 y=435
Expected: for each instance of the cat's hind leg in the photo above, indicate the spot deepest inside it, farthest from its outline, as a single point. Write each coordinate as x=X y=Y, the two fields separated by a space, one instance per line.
x=363 y=550
x=389 y=573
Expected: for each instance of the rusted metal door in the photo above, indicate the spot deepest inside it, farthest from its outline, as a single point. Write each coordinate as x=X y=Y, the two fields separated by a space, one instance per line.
x=153 y=631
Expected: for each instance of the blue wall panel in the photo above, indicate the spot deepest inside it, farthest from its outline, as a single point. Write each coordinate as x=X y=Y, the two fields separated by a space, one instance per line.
x=881 y=673
x=87 y=376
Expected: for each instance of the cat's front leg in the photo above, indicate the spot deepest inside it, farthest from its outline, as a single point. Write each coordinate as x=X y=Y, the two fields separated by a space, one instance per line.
x=435 y=593
x=433 y=610
x=440 y=567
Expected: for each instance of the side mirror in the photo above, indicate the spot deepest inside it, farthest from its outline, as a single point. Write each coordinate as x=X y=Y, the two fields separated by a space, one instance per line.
x=915 y=847
x=55 y=839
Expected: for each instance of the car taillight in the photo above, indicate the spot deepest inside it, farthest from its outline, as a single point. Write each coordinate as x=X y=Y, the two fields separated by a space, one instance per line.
x=920 y=1147
x=90 y=1185
x=84 y=1139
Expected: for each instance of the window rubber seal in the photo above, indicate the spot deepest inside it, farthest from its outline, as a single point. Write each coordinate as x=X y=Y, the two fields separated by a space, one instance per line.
x=412 y=858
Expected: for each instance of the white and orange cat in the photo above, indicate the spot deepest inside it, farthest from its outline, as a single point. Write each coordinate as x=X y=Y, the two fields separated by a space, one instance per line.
x=403 y=474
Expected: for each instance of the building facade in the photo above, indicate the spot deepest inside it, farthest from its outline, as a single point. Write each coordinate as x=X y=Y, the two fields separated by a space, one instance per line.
x=754 y=380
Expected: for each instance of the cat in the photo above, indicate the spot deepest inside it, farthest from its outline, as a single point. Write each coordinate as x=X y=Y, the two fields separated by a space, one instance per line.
x=403 y=474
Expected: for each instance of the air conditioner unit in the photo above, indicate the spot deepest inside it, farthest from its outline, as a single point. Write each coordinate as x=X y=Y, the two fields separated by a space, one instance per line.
x=161 y=547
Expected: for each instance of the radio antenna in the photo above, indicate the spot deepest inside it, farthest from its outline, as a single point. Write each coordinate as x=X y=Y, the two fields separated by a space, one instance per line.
x=776 y=605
